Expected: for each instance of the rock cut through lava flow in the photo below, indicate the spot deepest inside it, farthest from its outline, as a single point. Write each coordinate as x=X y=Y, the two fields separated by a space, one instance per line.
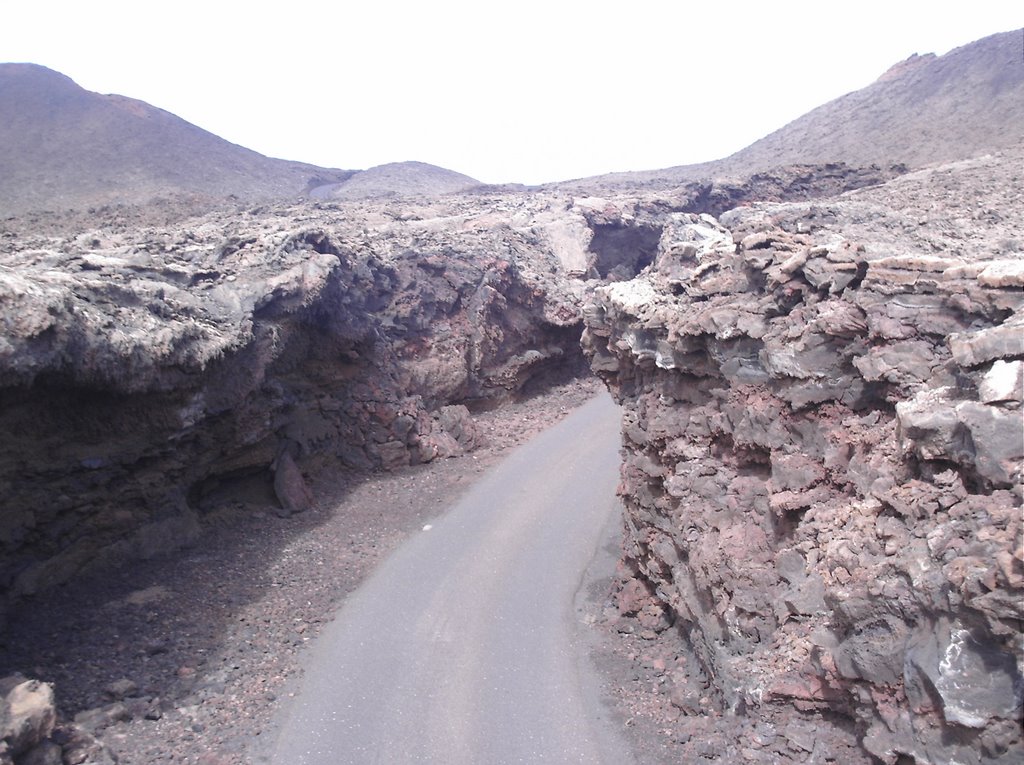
x=154 y=366
x=823 y=468
x=821 y=366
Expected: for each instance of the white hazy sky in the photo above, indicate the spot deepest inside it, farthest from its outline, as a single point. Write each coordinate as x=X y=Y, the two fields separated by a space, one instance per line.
x=505 y=91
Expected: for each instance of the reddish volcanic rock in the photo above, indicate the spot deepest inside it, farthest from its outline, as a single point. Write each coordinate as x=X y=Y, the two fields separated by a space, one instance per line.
x=823 y=470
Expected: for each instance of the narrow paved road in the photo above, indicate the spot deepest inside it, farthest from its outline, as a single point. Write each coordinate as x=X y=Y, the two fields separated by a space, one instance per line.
x=463 y=648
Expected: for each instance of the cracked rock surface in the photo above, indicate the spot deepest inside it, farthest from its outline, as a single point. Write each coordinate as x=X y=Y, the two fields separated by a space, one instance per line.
x=155 y=360
x=150 y=370
x=824 y=445
x=822 y=472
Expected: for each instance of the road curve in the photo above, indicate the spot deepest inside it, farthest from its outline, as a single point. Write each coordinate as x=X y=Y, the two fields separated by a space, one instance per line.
x=462 y=648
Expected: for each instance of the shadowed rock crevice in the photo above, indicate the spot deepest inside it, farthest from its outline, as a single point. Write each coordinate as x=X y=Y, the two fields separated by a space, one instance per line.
x=621 y=252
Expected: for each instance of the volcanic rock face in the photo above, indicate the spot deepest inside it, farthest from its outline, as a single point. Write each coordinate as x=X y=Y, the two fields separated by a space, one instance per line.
x=148 y=373
x=156 y=363
x=823 y=464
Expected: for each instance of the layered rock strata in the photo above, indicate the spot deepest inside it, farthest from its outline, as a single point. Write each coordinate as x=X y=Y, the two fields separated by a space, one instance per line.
x=823 y=463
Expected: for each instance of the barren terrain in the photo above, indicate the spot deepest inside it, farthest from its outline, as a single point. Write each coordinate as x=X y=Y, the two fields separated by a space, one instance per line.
x=219 y=413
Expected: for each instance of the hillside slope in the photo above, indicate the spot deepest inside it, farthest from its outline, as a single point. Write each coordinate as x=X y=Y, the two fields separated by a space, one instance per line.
x=924 y=110
x=398 y=179
x=62 y=146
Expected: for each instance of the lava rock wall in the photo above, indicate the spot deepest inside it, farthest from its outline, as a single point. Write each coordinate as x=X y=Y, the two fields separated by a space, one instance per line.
x=823 y=462
x=151 y=374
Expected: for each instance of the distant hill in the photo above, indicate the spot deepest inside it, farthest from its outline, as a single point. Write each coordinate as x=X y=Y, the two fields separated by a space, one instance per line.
x=62 y=146
x=398 y=179
x=924 y=110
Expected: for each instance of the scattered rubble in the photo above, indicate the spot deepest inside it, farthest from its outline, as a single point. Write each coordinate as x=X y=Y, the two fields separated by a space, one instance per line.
x=30 y=733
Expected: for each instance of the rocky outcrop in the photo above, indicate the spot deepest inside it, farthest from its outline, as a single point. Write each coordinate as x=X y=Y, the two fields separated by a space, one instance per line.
x=150 y=373
x=823 y=468
x=159 y=362
x=801 y=376
x=622 y=229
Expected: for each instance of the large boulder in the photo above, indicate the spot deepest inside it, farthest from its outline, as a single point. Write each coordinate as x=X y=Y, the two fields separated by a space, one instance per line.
x=27 y=714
